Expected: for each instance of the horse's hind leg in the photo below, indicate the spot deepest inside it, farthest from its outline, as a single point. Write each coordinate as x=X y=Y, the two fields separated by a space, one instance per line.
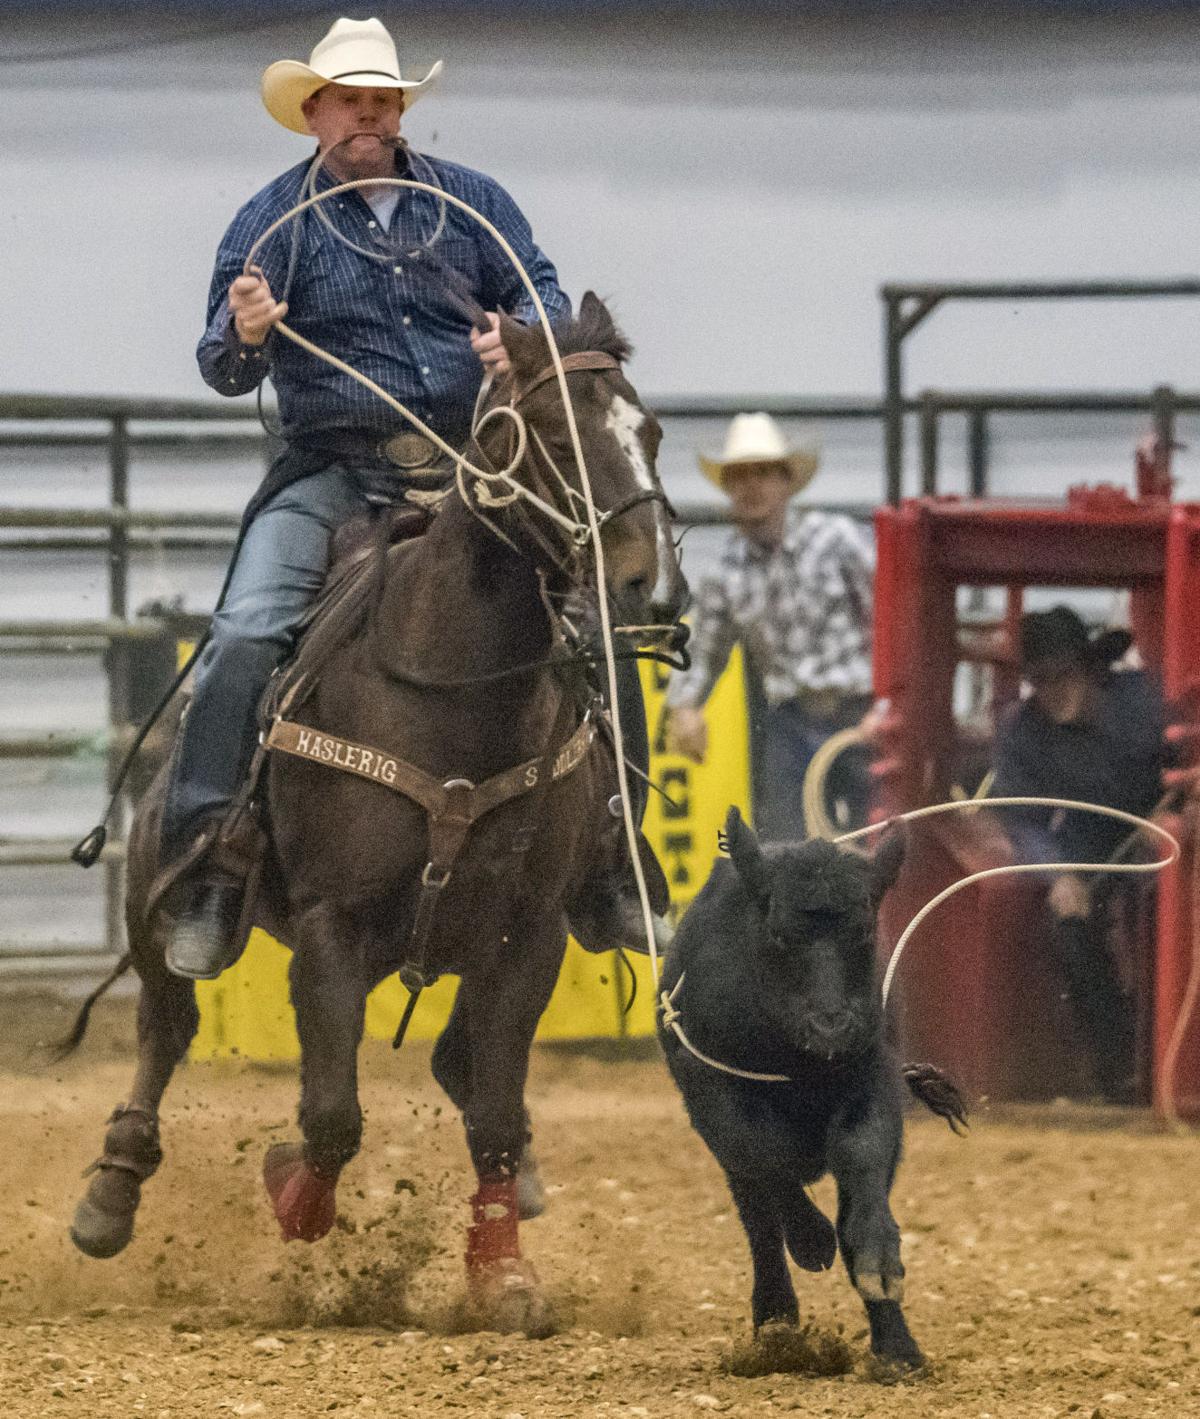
x=166 y=1022
x=329 y=991
x=452 y=1070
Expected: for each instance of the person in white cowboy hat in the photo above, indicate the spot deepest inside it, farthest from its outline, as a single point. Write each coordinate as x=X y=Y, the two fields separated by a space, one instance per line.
x=348 y=279
x=794 y=588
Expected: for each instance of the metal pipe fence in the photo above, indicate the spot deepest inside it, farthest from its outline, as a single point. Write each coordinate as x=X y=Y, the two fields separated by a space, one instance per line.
x=125 y=428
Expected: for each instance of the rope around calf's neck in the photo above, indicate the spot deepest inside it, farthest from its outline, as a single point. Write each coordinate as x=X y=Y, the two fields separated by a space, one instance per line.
x=592 y=524
x=671 y=1013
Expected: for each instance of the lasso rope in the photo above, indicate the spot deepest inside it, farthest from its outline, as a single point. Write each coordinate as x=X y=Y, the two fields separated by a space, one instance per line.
x=671 y=1013
x=592 y=525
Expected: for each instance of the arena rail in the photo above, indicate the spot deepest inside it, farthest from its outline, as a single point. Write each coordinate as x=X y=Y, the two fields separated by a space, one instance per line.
x=906 y=305
x=126 y=427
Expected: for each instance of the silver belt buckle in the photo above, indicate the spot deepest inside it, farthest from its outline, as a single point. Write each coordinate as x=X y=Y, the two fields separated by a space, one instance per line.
x=408 y=451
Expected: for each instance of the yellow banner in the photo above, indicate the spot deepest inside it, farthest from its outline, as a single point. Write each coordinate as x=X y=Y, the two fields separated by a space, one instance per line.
x=247 y=1011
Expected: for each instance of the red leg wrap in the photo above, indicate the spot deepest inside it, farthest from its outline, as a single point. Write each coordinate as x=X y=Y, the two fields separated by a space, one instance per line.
x=492 y=1237
x=305 y=1203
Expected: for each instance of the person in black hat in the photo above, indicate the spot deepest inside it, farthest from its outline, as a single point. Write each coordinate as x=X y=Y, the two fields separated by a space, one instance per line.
x=1090 y=733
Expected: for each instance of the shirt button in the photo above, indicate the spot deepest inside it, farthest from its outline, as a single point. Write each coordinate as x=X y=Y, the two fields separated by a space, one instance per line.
x=407 y=320
x=397 y=269
x=371 y=225
x=424 y=369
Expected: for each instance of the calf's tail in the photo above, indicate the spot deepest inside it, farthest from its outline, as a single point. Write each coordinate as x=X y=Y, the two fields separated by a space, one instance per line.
x=939 y=1094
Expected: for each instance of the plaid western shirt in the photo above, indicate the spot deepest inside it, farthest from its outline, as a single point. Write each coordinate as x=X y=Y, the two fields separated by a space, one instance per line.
x=405 y=333
x=802 y=612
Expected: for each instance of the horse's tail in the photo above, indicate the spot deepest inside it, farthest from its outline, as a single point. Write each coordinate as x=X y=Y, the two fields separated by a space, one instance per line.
x=939 y=1095
x=70 y=1043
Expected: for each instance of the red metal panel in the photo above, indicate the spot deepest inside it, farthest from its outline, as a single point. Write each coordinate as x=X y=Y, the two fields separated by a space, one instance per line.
x=975 y=992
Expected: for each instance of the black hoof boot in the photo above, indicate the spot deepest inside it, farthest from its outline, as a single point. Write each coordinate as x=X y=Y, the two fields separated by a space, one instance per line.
x=204 y=938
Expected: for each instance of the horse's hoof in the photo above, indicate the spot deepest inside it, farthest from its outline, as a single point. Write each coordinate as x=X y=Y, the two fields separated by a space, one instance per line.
x=103 y=1221
x=508 y=1297
x=531 y=1194
x=305 y=1203
x=100 y=1234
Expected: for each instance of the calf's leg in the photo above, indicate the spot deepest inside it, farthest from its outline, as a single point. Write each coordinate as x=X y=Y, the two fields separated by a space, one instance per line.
x=863 y=1152
x=773 y=1298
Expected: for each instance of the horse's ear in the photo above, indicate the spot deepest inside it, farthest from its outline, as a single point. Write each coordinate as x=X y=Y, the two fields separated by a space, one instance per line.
x=739 y=841
x=886 y=863
x=525 y=345
x=595 y=317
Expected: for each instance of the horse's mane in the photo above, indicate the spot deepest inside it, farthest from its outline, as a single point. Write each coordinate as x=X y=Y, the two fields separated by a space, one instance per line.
x=592 y=329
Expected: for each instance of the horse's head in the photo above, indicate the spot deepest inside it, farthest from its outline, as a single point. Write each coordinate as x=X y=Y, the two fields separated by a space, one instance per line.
x=620 y=441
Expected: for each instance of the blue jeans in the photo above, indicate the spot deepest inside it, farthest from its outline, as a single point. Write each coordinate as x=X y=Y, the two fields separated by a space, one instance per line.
x=785 y=738
x=280 y=567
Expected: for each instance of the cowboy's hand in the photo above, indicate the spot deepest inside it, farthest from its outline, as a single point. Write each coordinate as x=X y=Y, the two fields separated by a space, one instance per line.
x=687 y=733
x=1068 y=897
x=489 y=347
x=254 y=308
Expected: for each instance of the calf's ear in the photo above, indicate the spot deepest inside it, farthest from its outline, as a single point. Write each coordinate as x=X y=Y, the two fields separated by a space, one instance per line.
x=886 y=863
x=739 y=841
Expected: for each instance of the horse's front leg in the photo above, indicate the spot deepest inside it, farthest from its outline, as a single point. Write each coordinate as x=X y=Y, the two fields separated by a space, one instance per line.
x=329 y=989
x=452 y=1070
x=503 y=1008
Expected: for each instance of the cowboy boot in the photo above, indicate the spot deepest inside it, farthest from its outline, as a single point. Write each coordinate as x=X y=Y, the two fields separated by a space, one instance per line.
x=208 y=926
x=204 y=938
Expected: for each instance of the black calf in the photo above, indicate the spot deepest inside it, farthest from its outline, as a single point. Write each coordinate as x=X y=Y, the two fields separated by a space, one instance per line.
x=779 y=955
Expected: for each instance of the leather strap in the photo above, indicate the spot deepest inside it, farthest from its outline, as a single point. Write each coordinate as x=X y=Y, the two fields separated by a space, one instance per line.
x=582 y=360
x=453 y=807
x=457 y=800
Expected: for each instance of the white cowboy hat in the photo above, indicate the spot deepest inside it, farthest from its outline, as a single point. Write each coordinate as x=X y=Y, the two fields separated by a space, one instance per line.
x=354 y=52
x=757 y=438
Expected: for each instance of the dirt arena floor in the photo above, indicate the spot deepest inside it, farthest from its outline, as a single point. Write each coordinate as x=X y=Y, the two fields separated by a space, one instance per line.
x=1053 y=1263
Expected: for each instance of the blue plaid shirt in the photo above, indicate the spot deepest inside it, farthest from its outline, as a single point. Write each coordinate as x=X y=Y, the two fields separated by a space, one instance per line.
x=403 y=332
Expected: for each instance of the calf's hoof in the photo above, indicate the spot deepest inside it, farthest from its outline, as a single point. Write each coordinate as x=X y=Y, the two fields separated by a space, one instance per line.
x=531 y=1194
x=811 y=1241
x=305 y=1203
x=892 y=1343
x=508 y=1297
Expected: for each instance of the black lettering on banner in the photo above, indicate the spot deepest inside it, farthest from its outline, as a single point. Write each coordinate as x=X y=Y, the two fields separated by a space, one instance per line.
x=676 y=784
x=677 y=847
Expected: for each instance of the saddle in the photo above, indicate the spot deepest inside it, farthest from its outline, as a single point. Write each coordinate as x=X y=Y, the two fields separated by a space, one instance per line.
x=235 y=843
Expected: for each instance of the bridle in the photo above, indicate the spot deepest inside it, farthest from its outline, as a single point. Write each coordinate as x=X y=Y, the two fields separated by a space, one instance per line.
x=560 y=495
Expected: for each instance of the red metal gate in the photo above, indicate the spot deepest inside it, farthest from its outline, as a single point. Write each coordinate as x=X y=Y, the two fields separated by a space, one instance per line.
x=976 y=992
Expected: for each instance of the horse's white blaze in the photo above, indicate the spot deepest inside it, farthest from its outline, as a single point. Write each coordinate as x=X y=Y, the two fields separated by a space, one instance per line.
x=624 y=421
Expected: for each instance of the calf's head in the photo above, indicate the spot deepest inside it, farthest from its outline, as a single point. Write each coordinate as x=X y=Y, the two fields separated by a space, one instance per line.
x=812 y=932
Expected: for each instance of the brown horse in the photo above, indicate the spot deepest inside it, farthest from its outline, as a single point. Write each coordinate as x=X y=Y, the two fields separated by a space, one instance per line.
x=427 y=680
